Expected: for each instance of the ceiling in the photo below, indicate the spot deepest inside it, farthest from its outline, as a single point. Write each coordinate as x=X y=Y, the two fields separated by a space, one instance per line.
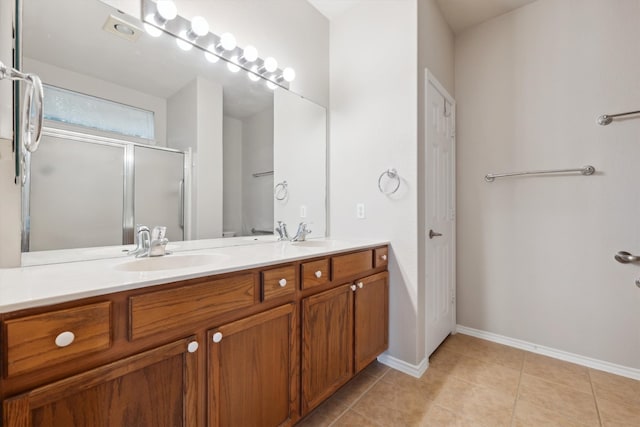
x=460 y=14
x=463 y=14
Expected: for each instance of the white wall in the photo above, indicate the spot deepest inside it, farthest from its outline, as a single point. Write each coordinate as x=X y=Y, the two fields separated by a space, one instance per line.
x=66 y=79
x=257 y=156
x=374 y=128
x=195 y=121
x=232 y=175
x=535 y=255
x=299 y=152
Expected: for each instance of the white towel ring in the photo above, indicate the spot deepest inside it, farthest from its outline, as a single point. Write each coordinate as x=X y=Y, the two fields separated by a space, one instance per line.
x=281 y=190
x=391 y=174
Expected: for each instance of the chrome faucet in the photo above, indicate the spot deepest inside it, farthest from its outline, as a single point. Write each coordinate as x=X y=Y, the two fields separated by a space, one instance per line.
x=301 y=234
x=150 y=243
x=281 y=229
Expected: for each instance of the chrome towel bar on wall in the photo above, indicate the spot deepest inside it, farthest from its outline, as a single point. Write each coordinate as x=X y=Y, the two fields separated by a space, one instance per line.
x=586 y=170
x=606 y=119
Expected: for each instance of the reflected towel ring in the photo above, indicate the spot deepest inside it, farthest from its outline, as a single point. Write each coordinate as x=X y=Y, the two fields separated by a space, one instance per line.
x=281 y=190
x=392 y=174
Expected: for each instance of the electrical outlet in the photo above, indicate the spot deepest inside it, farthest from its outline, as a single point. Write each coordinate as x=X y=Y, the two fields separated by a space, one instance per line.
x=360 y=211
x=303 y=211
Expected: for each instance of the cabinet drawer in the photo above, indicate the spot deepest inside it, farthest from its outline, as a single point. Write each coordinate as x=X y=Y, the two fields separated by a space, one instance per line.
x=278 y=282
x=47 y=339
x=183 y=306
x=380 y=257
x=352 y=264
x=315 y=273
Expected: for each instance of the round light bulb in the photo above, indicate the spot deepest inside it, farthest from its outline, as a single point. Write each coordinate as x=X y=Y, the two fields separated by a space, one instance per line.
x=199 y=26
x=181 y=43
x=253 y=76
x=151 y=30
x=271 y=85
x=228 y=41
x=250 y=53
x=289 y=74
x=210 y=56
x=270 y=64
x=167 y=9
x=232 y=65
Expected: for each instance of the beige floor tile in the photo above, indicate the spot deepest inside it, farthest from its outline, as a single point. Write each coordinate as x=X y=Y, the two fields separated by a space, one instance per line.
x=618 y=414
x=316 y=419
x=484 y=350
x=387 y=417
x=528 y=415
x=557 y=371
x=476 y=371
x=615 y=388
x=352 y=390
x=375 y=369
x=567 y=402
x=437 y=417
x=479 y=405
x=410 y=399
x=353 y=419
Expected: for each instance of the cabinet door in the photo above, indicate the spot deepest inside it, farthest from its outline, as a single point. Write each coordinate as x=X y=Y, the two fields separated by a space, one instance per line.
x=253 y=370
x=371 y=318
x=154 y=388
x=327 y=350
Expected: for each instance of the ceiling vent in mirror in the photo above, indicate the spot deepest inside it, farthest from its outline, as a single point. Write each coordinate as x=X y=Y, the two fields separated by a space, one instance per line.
x=162 y=16
x=122 y=28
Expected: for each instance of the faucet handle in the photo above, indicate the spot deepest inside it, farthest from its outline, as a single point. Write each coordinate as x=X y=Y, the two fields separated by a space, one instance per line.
x=159 y=232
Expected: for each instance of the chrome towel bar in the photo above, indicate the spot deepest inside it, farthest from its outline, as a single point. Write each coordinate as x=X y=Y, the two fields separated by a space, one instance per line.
x=586 y=170
x=606 y=119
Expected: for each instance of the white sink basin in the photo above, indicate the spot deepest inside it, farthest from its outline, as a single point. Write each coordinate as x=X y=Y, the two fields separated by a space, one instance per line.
x=313 y=243
x=170 y=262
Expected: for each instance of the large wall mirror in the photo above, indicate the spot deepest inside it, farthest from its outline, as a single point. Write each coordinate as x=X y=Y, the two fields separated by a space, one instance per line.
x=138 y=131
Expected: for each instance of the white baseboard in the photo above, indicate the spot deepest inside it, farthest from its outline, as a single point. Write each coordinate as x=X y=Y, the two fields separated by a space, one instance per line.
x=402 y=366
x=552 y=352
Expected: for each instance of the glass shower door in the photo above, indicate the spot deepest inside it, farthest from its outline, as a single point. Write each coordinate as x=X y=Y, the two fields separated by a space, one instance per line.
x=159 y=190
x=77 y=193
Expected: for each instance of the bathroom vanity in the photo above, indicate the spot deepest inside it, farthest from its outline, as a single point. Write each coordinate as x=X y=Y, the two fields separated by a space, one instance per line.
x=236 y=345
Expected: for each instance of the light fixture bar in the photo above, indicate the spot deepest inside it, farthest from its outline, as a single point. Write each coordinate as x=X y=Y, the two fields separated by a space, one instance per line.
x=180 y=26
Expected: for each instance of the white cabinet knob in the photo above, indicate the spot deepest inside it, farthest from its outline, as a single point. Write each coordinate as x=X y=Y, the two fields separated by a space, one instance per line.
x=65 y=338
x=353 y=288
x=193 y=347
x=318 y=274
x=360 y=285
x=383 y=257
x=217 y=337
x=283 y=283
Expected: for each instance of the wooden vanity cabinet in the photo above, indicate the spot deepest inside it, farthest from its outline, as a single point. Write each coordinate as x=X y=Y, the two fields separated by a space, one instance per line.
x=253 y=370
x=258 y=347
x=154 y=388
x=343 y=330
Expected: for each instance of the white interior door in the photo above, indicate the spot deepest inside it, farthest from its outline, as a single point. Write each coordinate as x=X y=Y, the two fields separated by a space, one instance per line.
x=440 y=200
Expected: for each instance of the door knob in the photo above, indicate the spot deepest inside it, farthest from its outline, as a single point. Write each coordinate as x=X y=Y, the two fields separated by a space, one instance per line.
x=638 y=283
x=433 y=234
x=626 y=257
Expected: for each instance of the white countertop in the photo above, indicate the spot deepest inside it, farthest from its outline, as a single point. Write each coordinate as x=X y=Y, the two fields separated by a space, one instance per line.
x=40 y=285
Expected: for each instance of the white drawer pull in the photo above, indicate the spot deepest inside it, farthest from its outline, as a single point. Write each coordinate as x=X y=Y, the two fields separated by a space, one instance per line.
x=384 y=257
x=353 y=288
x=283 y=283
x=360 y=285
x=318 y=274
x=193 y=347
x=65 y=338
x=217 y=337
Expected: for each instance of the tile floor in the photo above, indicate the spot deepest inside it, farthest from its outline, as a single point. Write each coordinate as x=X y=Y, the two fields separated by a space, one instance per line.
x=472 y=382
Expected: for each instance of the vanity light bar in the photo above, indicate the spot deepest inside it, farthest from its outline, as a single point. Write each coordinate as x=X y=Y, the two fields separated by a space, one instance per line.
x=162 y=16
